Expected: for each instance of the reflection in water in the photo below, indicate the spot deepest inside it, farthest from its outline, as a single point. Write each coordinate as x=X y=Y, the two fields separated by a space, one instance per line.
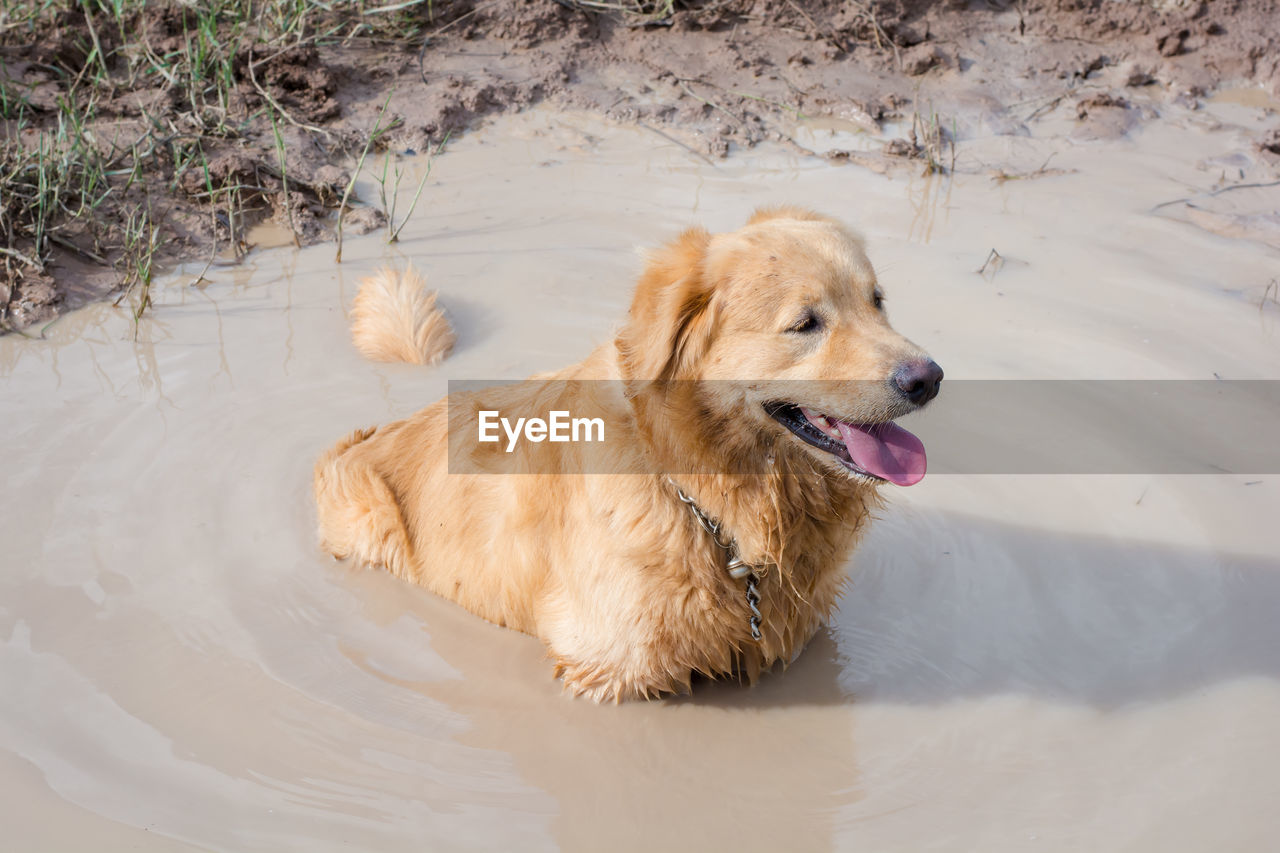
x=929 y=195
x=1072 y=661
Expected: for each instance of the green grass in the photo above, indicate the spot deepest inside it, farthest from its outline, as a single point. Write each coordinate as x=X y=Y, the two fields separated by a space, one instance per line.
x=76 y=176
x=393 y=230
x=374 y=134
x=137 y=262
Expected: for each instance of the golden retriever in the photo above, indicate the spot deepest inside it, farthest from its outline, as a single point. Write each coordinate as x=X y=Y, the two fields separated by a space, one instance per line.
x=754 y=384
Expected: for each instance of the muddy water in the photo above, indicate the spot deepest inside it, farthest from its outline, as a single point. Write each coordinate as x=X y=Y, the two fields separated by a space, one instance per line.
x=1049 y=662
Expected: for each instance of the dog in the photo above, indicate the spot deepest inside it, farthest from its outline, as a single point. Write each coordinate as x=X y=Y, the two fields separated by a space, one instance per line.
x=751 y=395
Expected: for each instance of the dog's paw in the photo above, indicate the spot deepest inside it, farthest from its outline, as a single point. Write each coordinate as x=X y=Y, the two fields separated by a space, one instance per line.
x=602 y=683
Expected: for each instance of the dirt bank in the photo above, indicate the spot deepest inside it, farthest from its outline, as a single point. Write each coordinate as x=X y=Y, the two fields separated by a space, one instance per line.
x=166 y=131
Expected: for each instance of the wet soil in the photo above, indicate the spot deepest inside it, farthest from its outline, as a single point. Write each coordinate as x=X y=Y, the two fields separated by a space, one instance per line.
x=712 y=76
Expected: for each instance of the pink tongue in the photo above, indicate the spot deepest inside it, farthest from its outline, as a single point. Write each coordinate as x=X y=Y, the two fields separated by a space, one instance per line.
x=886 y=450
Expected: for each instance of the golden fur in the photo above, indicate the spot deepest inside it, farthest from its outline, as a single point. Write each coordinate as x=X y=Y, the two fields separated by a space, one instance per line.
x=395 y=318
x=613 y=572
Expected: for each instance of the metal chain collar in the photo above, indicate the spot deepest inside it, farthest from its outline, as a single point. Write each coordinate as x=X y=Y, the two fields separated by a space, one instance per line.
x=737 y=567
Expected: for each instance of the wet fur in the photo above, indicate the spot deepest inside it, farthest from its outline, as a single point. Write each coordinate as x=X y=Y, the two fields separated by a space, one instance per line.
x=613 y=573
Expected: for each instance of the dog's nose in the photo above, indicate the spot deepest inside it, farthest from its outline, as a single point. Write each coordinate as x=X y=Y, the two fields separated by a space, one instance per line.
x=918 y=380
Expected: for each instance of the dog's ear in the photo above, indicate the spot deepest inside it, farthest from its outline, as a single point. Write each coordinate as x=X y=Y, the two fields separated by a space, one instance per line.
x=786 y=211
x=670 y=321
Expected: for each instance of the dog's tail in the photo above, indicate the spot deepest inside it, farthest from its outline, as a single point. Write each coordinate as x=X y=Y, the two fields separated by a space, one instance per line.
x=395 y=318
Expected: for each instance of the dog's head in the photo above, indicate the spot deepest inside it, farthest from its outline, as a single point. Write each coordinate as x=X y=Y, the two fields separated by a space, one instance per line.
x=782 y=327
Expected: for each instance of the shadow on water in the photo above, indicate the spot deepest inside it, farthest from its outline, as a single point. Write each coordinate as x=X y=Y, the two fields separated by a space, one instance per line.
x=961 y=608
x=968 y=608
x=471 y=322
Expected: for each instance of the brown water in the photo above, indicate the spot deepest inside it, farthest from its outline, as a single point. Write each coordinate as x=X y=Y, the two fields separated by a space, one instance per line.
x=1021 y=662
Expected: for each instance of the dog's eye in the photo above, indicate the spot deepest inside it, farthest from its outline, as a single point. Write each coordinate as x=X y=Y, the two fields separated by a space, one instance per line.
x=877 y=299
x=810 y=322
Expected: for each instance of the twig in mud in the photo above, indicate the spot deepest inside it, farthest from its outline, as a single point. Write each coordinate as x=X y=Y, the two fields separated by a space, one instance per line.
x=210 y=193
x=778 y=104
x=704 y=158
x=634 y=14
x=1273 y=290
x=395 y=7
x=684 y=84
x=684 y=81
x=213 y=255
x=426 y=40
x=14 y=253
x=395 y=235
x=1001 y=176
x=374 y=133
x=867 y=11
x=1050 y=104
x=825 y=35
x=67 y=244
x=1216 y=193
x=994 y=262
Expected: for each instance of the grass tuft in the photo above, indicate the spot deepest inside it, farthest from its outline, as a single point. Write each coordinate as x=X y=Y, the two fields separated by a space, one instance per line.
x=117 y=99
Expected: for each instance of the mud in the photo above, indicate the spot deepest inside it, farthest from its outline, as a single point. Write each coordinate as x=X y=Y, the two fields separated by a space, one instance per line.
x=1055 y=662
x=715 y=75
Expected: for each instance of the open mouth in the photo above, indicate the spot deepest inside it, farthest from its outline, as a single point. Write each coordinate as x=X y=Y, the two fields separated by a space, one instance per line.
x=883 y=451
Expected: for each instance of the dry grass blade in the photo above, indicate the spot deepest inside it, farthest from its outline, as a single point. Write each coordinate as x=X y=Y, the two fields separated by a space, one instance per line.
x=991 y=265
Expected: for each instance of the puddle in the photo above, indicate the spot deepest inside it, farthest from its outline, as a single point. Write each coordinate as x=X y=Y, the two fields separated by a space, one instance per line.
x=1248 y=97
x=1060 y=661
x=822 y=134
x=269 y=234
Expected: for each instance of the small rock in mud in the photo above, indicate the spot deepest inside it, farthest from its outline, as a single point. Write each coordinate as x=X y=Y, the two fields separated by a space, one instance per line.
x=325 y=180
x=1134 y=75
x=1093 y=66
x=362 y=220
x=899 y=148
x=893 y=104
x=299 y=217
x=1173 y=42
x=1270 y=143
x=905 y=35
x=1100 y=100
x=922 y=58
x=232 y=167
x=301 y=83
x=33 y=298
